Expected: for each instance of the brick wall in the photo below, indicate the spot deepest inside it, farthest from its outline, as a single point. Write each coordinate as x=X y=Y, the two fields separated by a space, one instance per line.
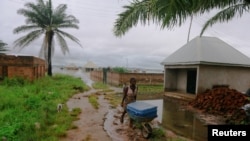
x=118 y=79
x=28 y=67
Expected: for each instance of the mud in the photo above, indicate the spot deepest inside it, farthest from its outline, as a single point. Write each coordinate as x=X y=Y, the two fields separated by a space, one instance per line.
x=91 y=120
x=103 y=123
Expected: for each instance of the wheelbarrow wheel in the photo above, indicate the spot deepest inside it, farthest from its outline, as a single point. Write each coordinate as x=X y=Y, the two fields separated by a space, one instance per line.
x=146 y=131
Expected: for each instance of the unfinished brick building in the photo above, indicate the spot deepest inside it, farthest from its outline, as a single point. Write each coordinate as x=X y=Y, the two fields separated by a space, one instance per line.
x=28 y=67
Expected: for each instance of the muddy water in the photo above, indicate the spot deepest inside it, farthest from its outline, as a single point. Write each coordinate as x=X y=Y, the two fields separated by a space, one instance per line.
x=170 y=113
x=173 y=116
x=182 y=122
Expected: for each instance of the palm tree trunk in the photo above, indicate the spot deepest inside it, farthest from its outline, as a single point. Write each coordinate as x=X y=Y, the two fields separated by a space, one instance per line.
x=50 y=39
x=191 y=21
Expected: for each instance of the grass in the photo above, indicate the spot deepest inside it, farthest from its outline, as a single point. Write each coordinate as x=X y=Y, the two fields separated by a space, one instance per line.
x=144 y=92
x=28 y=110
x=75 y=112
x=93 y=99
x=100 y=85
x=150 y=89
x=114 y=99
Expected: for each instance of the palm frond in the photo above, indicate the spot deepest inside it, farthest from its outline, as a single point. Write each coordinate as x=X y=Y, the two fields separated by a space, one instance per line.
x=25 y=28
x=136 y=11
x=226 y=14
x=27 y=39
x=3 y=46
x=62 y=43
x=68 y=36
x=174 y=13
x=44 y=48
x=202 y=6
x=43 y=53
x=60 y=9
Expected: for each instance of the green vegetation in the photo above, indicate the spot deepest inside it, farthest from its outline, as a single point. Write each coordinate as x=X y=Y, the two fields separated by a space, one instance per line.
x=100 y=85
x=114 y=99
x=3 y=47
x=158 y=133
x=150 y=89
x=120 y=70
x=170 y=14
x=93 y=99
x=75 y=112
x=29 y=110
x=144 y=92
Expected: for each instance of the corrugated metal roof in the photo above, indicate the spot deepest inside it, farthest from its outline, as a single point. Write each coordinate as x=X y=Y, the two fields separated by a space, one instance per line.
x=207 y=50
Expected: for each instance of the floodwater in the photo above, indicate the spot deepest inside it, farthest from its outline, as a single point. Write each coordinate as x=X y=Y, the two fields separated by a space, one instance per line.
x=174 y=117
x=170 y=113
x=182 y=122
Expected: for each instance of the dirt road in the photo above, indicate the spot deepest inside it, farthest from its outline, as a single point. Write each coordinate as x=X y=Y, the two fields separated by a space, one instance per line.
x=91 y=120
x=90 y=126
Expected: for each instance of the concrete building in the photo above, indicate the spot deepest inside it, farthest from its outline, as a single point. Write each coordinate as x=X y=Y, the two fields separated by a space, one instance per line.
x=203 y=63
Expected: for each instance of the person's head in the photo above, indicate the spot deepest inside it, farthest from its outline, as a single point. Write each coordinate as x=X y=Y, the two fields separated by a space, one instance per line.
x=132 y=81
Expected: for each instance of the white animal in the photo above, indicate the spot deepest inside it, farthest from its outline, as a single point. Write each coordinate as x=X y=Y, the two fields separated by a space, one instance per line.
x=59 y=107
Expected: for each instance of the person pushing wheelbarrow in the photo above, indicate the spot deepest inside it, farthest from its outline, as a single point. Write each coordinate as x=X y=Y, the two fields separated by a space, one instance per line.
x=129 y=96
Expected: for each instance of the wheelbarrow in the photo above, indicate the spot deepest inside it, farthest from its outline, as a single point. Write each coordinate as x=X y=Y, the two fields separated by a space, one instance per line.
x=142 y=113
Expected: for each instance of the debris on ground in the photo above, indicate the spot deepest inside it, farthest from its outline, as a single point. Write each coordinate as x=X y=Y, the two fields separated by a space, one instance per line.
x=222 y=101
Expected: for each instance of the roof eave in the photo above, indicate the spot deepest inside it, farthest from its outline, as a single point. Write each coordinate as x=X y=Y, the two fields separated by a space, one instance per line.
x=204 y=63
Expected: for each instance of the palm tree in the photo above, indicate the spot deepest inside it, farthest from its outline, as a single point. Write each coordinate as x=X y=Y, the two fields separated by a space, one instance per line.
x=172 y=13
x=232 y=9
x=3 y=47
x=42 y=19
x=166 y=13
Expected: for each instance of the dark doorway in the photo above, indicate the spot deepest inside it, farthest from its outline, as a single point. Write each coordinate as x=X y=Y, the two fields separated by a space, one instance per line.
x=191 y=81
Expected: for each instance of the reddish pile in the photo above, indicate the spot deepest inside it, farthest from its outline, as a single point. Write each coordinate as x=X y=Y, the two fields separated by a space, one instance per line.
x=221 y=100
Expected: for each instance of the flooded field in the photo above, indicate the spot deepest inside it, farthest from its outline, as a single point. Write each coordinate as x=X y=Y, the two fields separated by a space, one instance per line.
x=173 y=116
x=182 y=122
x=170 y=112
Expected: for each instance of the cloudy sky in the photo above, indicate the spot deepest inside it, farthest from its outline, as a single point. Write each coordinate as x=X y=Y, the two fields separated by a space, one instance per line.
x=141 y=47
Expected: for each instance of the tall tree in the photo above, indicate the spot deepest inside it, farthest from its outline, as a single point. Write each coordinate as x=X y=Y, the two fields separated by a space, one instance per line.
x=172 y=13
x=3 y=47
x=42 y=19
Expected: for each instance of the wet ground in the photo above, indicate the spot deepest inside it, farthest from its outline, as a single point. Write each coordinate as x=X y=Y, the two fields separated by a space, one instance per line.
x=104 y=124
x=98 y=124
x=90 y=121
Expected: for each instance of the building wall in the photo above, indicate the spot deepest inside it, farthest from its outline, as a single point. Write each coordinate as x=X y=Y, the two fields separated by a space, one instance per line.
x=117 y=79
x=28 y=67
x=170 y=80
x=175 y=77
x=236 y=77
x=182 y=80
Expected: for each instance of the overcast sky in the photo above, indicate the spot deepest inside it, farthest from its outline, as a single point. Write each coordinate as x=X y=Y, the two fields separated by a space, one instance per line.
x=141 y=47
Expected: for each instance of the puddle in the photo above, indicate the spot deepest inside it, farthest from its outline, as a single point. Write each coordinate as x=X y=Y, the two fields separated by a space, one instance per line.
x=170 y=114
x=109 y=124
x=182 y=122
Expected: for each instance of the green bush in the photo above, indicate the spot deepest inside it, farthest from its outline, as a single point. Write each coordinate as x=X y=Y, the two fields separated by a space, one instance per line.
x=120 y=70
